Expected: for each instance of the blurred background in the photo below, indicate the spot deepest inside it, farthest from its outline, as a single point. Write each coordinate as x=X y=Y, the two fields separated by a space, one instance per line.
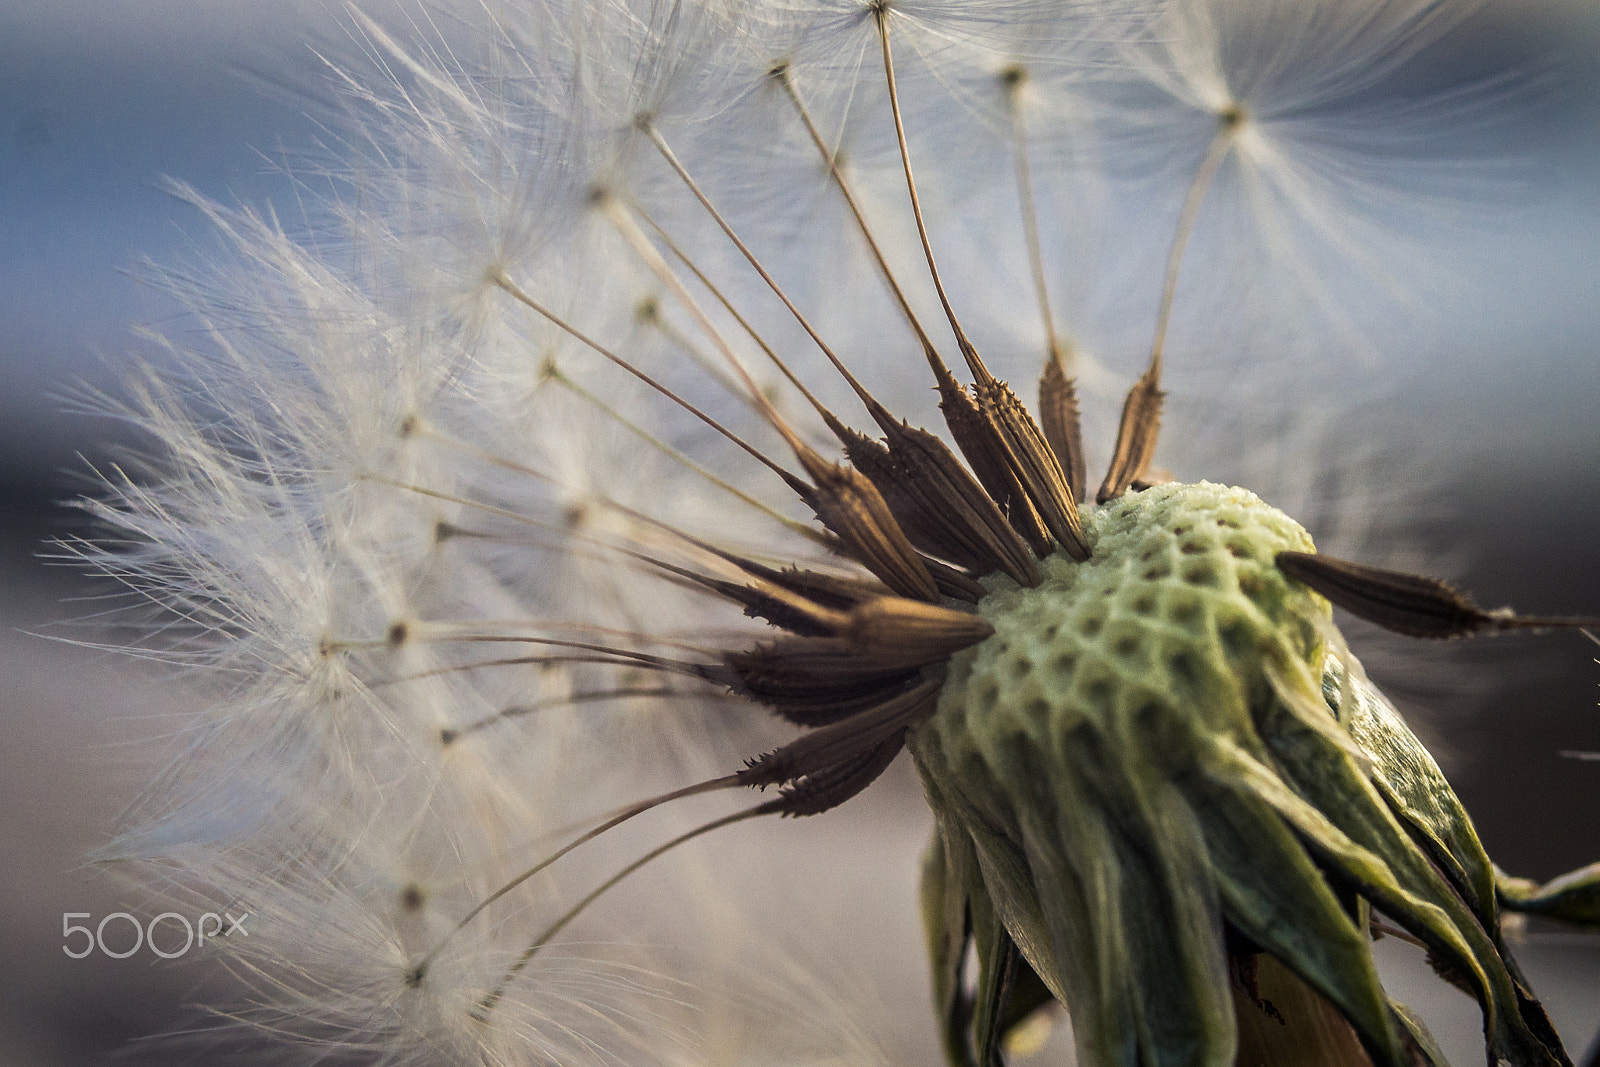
x=100 y=100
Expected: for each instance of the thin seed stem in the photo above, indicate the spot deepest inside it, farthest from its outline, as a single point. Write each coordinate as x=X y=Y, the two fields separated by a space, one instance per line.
x=974 y=362
x=615 y=656
x=493 y=509
x=665 y=666
x=663 y=271
x=786 y=79
x=481 y=1012
x=518 y=294
x=650 y=314
x=1228 y=124
x=761 y=342
x=725 y=782
x=744 y=249
x=1030 y=215
x=622 y=509
x=590 y=697
x=597 y=549
x=564 y=534
x=441 y=633
x=683 y=459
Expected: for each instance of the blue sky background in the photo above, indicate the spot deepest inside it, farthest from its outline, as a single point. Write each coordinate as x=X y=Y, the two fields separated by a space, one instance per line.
x=99 y=101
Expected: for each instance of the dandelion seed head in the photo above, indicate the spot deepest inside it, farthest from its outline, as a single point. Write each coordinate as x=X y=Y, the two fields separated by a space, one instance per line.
x=528 y=482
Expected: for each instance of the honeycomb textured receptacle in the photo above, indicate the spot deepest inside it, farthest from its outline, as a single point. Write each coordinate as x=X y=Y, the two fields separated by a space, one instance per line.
x=1074 y=760
x=1152 y=776
x=1169 y=618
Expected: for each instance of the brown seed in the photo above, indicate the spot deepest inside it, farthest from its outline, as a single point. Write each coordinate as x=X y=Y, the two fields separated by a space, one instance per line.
x=909 y=633
x=1407 y=603
x=848 y=504
x=1058 y=417
x=986 y=454
x=1033 y=464
x=942 y=507
x=1136 y=436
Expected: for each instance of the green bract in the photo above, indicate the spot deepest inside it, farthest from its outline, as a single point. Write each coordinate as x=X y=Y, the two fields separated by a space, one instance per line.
x=1153 y=772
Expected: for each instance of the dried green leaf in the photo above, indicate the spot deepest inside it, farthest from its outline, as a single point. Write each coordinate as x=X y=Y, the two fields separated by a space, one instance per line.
x=1274 y=894
x=949 y=874
x=1414 y=787
x=1574 y=897
x=1350 y=820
